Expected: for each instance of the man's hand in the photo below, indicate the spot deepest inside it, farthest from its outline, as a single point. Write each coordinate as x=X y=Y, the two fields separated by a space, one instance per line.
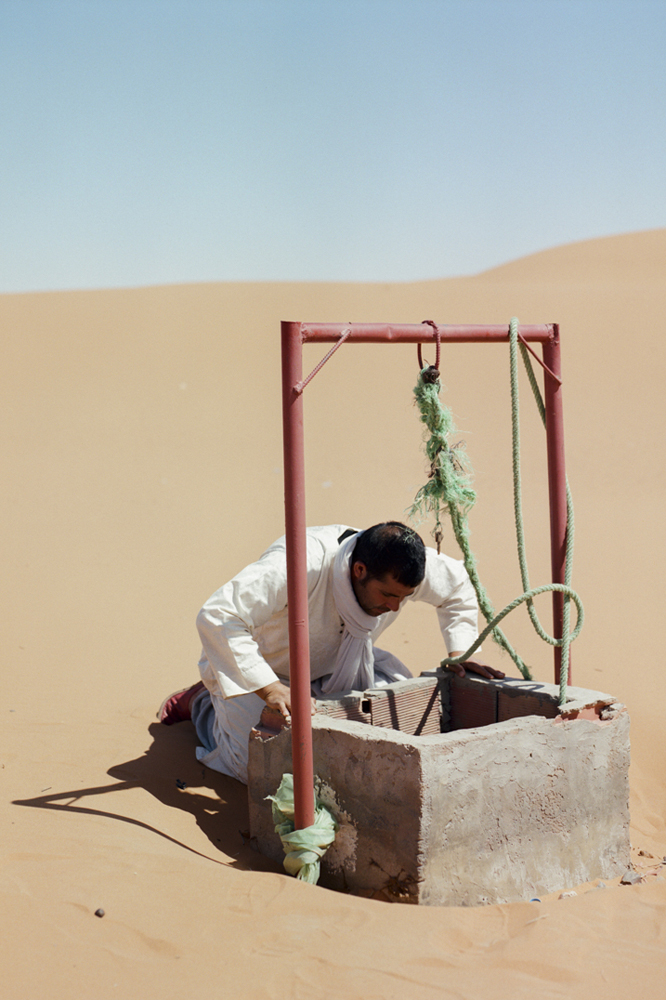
x=278 y=697
x=474 y=667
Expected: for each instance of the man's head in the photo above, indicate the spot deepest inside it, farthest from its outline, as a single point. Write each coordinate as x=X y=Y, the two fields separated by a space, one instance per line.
x=387 y=564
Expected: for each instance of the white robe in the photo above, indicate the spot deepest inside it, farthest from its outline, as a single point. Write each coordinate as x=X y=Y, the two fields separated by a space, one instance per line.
x=244 y=632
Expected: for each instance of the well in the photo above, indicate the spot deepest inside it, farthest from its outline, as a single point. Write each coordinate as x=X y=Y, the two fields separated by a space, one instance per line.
x=460 y=791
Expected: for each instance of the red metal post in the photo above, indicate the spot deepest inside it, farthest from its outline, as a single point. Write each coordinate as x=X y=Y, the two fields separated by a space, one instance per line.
x=557 y=488
x=297 y=588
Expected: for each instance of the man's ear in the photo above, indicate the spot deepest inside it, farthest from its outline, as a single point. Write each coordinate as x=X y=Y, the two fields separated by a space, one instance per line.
x=359 y=571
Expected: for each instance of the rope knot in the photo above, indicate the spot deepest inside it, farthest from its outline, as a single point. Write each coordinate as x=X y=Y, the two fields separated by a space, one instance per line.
x=430 y=375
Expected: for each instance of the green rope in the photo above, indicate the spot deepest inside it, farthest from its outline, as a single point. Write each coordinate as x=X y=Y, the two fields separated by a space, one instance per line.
x=449 y=486
x=567 y=591
x=567 y=637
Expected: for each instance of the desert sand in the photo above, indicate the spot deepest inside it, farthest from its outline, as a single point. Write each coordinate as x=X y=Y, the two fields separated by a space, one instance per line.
x=142 y=442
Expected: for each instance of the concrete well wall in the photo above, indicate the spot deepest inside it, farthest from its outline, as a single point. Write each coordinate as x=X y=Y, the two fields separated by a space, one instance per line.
x=489 y=813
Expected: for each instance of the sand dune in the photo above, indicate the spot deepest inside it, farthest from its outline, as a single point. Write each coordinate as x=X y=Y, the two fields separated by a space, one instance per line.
x=143 y=445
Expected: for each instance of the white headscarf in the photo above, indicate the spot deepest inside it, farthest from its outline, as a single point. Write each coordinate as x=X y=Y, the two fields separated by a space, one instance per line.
x=357 y=658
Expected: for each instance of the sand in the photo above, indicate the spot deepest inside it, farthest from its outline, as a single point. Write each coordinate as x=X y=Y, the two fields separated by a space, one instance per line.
x=142 y=438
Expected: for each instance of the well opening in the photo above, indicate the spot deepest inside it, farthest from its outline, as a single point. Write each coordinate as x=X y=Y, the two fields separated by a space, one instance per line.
x=441 y=702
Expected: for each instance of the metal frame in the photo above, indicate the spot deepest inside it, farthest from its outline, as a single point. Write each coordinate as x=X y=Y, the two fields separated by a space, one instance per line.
x=294 y=335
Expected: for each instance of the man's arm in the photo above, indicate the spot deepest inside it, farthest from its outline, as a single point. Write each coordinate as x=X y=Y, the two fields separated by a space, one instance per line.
x=447 y=586
x=228 y=621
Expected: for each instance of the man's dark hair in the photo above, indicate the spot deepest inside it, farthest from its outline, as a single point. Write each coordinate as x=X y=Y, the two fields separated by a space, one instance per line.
x=392 y=547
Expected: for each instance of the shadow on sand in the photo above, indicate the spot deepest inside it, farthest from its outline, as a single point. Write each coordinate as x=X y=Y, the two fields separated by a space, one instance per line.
x=170 y=771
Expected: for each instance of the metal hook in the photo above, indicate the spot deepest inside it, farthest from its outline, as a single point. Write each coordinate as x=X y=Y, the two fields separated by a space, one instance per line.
x=430 y=322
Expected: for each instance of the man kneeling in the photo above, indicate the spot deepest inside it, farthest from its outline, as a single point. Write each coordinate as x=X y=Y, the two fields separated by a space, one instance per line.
x=357 y=583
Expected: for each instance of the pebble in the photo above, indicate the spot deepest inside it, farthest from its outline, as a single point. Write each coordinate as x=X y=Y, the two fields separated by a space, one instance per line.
x=567 y=895
x=630 y=877
x=99 y=913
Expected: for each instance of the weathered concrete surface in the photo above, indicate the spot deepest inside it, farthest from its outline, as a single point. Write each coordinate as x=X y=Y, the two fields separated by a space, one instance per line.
x=529 y=808
x=494 y=813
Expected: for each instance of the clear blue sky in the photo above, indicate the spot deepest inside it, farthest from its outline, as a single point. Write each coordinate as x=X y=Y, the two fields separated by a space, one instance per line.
x=159 y=141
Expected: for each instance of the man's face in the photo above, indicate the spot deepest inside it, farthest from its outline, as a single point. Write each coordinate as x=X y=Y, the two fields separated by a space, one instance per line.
x=377 y=595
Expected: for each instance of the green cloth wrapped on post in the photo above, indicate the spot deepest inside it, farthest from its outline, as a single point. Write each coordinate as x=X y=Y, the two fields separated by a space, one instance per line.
x=303 y=848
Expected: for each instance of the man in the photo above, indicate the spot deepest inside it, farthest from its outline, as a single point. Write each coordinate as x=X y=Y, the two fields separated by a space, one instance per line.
x=357 y=582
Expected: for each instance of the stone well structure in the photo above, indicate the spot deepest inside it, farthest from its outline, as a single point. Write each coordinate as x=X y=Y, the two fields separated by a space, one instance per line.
x=460 y=791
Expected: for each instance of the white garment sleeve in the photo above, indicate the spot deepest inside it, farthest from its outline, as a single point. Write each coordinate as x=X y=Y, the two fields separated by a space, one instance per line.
x=448 y=588
x=229 y=619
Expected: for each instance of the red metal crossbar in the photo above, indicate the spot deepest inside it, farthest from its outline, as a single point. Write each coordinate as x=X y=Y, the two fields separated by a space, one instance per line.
x=294 y=335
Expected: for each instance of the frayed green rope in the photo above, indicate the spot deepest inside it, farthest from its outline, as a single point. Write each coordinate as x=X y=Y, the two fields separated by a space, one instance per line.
x=449 y=487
